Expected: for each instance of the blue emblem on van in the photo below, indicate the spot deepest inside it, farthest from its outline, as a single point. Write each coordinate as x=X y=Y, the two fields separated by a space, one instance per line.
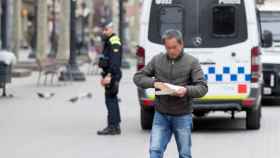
x=227 y=74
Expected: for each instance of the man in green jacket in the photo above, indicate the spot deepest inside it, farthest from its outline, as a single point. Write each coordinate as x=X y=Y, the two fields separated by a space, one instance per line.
x=173 y=113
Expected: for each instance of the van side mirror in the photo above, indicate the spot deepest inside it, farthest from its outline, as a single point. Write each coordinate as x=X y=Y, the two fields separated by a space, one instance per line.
x=267 y=39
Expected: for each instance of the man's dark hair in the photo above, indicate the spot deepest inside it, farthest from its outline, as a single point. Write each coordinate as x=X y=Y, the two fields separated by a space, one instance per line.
x=168 y=34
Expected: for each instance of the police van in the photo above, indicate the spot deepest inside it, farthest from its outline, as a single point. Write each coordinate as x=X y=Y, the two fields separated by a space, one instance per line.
x=270 y=24
x=225 y=36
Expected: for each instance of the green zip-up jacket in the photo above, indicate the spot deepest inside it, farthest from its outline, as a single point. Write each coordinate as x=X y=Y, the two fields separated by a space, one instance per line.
x=183 y=71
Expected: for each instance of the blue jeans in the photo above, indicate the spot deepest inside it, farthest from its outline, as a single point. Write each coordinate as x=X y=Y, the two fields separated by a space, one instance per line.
x=163 y=128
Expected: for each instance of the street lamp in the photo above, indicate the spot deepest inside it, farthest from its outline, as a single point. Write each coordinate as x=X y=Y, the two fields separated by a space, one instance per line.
x=72 y=70
x=125 y=63
x=84 y=20
x=81 y=28
x=53 y=36
x=34 y=30
x=7 y=12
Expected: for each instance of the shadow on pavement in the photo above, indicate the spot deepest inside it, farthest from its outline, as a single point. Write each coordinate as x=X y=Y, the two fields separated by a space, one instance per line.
x=219 y=125
x=271 y=102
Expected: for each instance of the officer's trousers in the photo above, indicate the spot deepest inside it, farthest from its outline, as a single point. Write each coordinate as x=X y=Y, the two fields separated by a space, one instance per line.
x=112 y=104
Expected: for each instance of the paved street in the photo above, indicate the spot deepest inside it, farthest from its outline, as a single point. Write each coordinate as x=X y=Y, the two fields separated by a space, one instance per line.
x=34 y=128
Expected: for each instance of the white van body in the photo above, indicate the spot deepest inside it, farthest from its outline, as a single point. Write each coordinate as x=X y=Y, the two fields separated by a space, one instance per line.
x=270 y=20
x=225 y=59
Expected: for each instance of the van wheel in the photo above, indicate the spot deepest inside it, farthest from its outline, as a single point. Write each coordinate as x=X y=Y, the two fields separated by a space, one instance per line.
x=147 y=117
x=253 y=119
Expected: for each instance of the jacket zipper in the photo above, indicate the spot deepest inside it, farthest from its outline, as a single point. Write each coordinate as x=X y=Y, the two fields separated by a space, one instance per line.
x=171 y=62
x=171 y=71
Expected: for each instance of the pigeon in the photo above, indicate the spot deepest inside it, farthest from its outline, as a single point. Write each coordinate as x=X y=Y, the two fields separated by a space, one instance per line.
x=74 y=99
x=46 y=95
x=80 y=97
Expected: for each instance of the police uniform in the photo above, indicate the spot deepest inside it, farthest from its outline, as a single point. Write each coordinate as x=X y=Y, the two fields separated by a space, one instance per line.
x=113 y=58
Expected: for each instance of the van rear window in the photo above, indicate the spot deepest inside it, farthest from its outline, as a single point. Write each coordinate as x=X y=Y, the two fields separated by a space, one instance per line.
x=167 y=20
x=224 y=20
x=204 y=23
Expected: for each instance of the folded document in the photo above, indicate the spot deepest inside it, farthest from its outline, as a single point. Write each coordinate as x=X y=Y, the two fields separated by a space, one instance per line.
x=168 y=89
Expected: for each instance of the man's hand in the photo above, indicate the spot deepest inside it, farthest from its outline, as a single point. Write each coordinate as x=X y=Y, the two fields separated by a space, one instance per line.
x=108 y=79
x=105 y=81
x=102 y=82
x=181 y=92
x=159 y=85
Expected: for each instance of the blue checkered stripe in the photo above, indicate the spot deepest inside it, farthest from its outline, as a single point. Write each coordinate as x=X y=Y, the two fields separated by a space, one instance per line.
x=237 y=73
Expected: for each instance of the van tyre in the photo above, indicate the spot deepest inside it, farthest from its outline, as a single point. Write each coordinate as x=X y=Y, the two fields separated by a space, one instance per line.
x=147 y=117
x=253 y=119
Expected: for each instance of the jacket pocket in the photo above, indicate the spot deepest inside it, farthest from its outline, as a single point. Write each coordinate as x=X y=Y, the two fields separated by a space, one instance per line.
x=177 y=101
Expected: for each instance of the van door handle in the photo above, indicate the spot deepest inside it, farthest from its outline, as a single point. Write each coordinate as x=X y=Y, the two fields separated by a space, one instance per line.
x=233 y=54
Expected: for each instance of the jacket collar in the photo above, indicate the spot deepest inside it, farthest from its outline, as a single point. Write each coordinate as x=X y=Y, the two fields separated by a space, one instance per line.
x=178 y=58
x=109 y=37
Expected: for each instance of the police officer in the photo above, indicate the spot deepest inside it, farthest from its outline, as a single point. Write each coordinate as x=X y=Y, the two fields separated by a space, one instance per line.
x=110 y=62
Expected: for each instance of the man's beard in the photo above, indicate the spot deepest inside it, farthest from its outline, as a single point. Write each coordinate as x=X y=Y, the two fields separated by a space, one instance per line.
x=173 y=56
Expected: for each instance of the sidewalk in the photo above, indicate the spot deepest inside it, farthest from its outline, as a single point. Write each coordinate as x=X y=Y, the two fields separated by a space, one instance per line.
x=31 y=127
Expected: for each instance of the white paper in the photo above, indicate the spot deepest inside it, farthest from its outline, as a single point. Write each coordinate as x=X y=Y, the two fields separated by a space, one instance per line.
x=171 y=89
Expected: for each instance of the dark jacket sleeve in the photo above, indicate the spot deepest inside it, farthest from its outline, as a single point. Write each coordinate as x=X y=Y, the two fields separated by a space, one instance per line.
x=115 y=61
x=199 y=87
x=144 y=78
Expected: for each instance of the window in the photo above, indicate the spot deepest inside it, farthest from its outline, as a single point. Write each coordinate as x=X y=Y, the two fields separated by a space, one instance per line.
x=218 y=25
x=171 y=18
x=271 y=21
x=224 y=21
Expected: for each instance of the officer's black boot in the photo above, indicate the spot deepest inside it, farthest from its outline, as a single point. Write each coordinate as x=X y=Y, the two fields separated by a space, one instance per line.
x=110 y=131
x=118 y=130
